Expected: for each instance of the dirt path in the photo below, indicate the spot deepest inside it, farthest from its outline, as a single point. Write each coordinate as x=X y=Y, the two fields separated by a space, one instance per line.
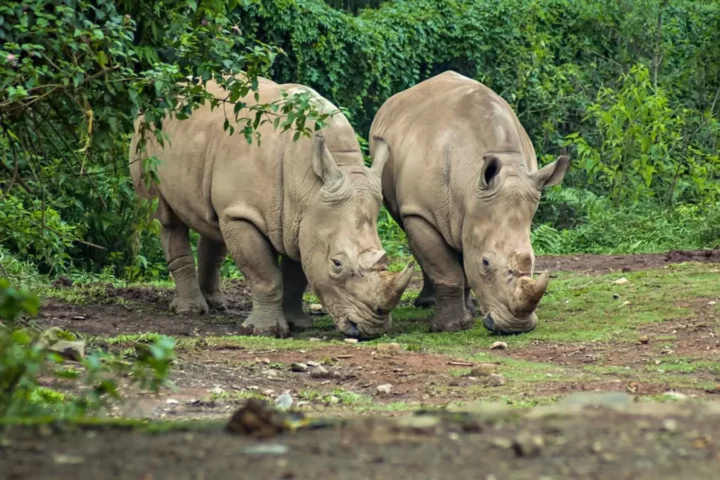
x=619 y=442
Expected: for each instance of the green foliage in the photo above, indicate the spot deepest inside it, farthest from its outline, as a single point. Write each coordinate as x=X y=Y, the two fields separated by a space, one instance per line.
x=26 y=356
x=73 y=77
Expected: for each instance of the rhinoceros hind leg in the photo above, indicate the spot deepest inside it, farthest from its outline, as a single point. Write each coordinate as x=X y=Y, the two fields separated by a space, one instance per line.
x=440 y=263
x=426 y=297
x=175 y=239
x=211 y=255
x=294 y=285
x=257 y=260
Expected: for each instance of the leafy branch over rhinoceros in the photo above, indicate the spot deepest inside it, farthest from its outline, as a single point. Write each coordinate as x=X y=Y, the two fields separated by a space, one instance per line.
x=310 y=201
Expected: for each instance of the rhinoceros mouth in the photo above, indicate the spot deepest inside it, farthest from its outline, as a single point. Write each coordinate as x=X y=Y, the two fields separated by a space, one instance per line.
x=491 y=325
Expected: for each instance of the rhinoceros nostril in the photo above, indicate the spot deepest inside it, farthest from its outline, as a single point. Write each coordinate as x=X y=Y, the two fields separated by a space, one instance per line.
x=352 y=330
x=380 y=311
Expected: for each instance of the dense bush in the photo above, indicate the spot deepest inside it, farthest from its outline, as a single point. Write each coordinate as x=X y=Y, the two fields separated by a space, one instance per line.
x=629 y=88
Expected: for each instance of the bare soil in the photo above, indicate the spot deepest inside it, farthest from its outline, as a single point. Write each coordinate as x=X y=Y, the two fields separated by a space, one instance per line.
x=214 y=377
x=589 y=443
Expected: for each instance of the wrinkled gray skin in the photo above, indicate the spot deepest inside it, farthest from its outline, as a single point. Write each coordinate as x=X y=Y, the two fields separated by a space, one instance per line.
x=462 y=181
x=311 y=202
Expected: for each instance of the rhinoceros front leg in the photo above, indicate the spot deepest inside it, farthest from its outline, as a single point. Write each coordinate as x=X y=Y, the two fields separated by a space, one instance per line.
x=294 y=285
x=426 y=297
x=440 y=263
x=175 y=239
x=257 y=260
x=211 y=255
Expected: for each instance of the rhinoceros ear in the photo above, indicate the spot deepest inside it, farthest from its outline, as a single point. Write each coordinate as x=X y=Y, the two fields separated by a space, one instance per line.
x=490 y=169
x=551 y=174
x=380 y=158
x=323 y=163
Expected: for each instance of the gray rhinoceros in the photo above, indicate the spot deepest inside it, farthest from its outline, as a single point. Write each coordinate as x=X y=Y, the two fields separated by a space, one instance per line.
x=311 y=202
x=462 y=181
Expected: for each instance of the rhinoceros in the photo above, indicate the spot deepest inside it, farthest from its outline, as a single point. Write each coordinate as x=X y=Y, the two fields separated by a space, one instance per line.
x=289 y=213
x=461 y=178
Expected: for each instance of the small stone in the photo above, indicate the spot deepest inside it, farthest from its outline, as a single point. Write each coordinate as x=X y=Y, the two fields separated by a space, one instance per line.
x=483 y=370
x=319 y=372
x=217 y=390
x=60 y=459
x=644 y=339
x=384 y=389
x=265 y=449
x=298 y=367
x=675 y=396
x=388 y=346
x=284 y=401
x=496 y=380
x=312 y=364
x=172 y=401
x=622 y=281
x=270 y=373
x=670 y=425
x=712 y=302
x=499 y=346
x=316 y=309
x=71 y=350
x=527 y=444
x=351 y=340
x=616 y=296
x=502 y=443
x=268 y=392
x=626 y=303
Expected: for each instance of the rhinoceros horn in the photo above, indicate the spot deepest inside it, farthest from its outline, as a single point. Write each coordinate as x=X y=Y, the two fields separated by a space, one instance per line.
x=529 y=292
x=393 y=286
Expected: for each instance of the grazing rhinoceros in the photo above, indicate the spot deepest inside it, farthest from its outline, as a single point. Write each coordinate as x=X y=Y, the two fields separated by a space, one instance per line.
x=462 y=181
x=312 y=202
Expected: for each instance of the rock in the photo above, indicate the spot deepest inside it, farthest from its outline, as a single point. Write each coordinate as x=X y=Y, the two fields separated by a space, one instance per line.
x=172 y=401
x=483 y=370
x=317 y=309
x=298 y=367
x=257 y=418
x=502 y=443
x=675 y=396
x=626 y=303
x=644 y=339
x=496 y=380
x=597 y=399
x=71 y=350
x=384 y=389
x=60 y=459
x=284 y=401
x=712 y=302
x=268 y=392
x=527 y=444
x=351 y=340
x=389 y=346
x=616 y=296
x=266 y=449
x=320 y=372
x=670 y=425
x=499 y=346
x=312 y=363
x=622 y=281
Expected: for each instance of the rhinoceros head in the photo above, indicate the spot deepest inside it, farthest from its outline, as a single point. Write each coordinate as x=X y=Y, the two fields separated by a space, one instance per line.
x=341 y=251
x=498 y=257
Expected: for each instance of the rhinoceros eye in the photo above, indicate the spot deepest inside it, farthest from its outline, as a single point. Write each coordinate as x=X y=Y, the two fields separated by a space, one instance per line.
x=486 y=262
x=336 y=263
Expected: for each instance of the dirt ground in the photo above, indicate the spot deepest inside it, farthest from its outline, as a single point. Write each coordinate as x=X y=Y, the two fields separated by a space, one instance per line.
x=213 y=376
x=591 y=442
x=676 y=359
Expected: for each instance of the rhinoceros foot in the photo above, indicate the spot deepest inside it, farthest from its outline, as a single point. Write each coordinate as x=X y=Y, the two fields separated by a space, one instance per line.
x=448 y=322
x=265 y=324
x=299 y=321
x=216 y=301
x=189 y=305
x=424 y=300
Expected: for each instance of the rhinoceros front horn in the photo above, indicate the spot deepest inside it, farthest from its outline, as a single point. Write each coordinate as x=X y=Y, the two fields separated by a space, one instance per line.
x=529 y=292
x=393 y=286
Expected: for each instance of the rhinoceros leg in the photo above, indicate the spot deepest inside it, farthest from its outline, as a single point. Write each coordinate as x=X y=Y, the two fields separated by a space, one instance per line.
x=294 y=285
x=426 y=297
x=258 y=261
x=175 y=239
x=211 y=255
x=440 y=263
